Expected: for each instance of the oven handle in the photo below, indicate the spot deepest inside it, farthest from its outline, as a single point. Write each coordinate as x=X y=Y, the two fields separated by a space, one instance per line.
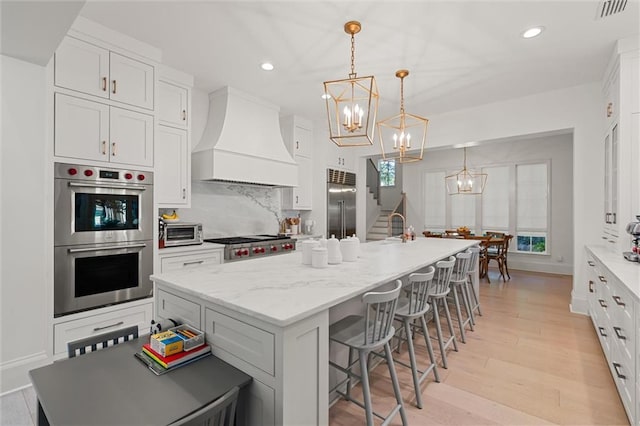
x=101 y=185
x=81 y=250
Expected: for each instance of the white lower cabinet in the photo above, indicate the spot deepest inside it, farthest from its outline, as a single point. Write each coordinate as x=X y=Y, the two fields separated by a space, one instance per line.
x=259 y=406
x=174 y=263
x=80 y=327
x=615 y=314
x=177 y=308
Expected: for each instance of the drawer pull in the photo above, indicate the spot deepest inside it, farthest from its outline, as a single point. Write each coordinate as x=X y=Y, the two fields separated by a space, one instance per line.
x=602 y=303
x=104 y=84
x=618 y=300
x=591 y=263
x=590 y=286
x=114 y=87
x=616 y=367
x=195 y=262
x=617 y=330
x=602 y=279
x=108 y=326
x=184 y=115
x=602 y=333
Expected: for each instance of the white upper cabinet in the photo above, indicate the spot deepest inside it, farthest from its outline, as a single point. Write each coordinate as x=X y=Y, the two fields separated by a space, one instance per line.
x=172 y=105
x=172 y=178
x=298 y=136
x=87 y=130
x=96 y=71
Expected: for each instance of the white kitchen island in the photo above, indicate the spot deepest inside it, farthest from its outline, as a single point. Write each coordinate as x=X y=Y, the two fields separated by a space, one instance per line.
x=270 y=318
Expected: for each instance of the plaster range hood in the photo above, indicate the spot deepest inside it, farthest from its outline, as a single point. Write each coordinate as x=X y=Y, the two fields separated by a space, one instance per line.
x=242 y=143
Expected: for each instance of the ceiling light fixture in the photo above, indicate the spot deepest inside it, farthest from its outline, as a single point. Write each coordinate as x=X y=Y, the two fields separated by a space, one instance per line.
x=267 y=66
x=398 y=129
x=532 y=32
x=352 y=104
x=466 y=182
x=326 y=96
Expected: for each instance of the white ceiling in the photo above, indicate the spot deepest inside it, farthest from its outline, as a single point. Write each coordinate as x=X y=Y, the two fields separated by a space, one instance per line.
x=459 y=53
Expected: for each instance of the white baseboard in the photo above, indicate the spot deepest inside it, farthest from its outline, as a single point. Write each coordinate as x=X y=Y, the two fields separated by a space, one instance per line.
x=14 y=374
x=579 y=305
x=549 y=268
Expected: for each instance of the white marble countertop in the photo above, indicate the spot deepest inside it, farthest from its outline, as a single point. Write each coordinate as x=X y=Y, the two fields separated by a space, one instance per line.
x=281 y=290
x=627 y=272
x=190 y=248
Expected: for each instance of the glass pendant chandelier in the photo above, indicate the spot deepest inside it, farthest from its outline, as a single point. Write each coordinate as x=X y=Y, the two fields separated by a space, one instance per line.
x=352 y=104
x=466 y=182
x=398 y=132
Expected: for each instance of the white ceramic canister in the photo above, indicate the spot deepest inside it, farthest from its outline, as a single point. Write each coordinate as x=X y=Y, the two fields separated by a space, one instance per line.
x=333 y=250
x=358 y=244
x=349 y=249
x=323 y=242
x=319 y=257
x=307 y=247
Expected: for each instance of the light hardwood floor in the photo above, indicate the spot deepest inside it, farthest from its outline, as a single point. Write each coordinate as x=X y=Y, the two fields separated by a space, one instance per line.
x=529 y=362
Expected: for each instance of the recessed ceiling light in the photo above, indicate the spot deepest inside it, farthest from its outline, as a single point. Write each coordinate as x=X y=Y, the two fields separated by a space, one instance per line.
x=326 y=96
x=532 y=32
x=267 y=66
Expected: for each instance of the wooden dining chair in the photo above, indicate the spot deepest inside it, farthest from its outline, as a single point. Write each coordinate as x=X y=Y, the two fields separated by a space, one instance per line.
x=497 y=250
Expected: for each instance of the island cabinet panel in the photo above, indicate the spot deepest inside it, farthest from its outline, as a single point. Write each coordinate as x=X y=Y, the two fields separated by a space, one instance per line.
x=258 y=406
x=177 y=308
x=241 y=340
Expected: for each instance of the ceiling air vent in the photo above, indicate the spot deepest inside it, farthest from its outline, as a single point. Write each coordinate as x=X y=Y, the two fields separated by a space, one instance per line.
x=610 y=7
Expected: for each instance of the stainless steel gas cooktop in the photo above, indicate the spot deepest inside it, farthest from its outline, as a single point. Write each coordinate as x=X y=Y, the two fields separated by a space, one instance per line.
x=252 y=246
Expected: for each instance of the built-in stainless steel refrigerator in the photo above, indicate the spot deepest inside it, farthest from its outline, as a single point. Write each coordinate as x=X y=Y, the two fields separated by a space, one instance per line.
x=341 y=203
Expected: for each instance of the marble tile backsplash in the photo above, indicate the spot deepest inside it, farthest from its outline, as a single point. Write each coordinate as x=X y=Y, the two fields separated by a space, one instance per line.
x=227 y=209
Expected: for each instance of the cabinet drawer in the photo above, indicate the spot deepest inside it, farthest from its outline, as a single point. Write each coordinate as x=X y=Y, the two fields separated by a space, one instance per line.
x=192 y=261
x=623 y=321
x=175 y=307
x=245 y=342
x=69 y=331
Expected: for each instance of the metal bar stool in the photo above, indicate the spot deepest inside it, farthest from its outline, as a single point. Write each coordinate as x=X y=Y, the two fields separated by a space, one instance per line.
x=438 y=291
x=365 y=335
x=474 y=299
x=458 y=284
x=412 y=307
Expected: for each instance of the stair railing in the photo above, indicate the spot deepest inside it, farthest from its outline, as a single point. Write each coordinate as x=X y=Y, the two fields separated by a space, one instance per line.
x=396 y=227
x=373 y=180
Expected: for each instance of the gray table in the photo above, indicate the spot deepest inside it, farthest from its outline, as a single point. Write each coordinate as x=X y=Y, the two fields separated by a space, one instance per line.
x=112 y=387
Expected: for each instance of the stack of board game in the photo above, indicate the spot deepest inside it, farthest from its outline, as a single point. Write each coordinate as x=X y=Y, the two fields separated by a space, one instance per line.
x=166 y=350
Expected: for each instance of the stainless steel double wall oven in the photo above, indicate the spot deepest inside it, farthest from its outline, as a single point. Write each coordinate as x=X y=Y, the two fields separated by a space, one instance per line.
x=103 y=236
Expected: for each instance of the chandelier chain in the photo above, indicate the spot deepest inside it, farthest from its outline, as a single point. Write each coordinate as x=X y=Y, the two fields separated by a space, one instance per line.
x=353 y=56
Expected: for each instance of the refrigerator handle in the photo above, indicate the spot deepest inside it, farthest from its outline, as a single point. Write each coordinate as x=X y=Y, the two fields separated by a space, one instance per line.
x=342 y=218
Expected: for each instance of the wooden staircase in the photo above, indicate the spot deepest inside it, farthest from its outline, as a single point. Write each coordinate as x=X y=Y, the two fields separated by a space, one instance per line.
x=379 y=229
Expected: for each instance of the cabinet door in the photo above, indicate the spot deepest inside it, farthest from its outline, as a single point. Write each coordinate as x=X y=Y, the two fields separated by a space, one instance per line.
x=172 y=105
x=258 y=406
x=175 y=307
x=131 y=140
x=81 y=128
x=302 y=142
x=302 y=193
x=82 y=66
x=614 y=180
x=131 y=81
x=171 y=165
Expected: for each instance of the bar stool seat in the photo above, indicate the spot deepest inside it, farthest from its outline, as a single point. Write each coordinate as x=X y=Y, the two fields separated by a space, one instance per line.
x=365 y=334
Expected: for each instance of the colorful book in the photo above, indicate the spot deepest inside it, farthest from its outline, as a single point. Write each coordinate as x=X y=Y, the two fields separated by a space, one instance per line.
x=175 y=359
x=158 y=369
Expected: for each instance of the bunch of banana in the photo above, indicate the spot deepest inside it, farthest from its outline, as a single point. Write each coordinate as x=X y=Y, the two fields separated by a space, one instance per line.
x=172 y=216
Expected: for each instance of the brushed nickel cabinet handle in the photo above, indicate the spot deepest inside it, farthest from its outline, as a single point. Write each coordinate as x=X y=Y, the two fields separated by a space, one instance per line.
x=195 y=262
x=617 y=330
x=114 y=87
x=113 y=149
x=616 y=367
x=104 y=84
x=602 y=279
x=590 y=286
x=104 y=147
x=609 y=109
x=297 y=145
x=602 y=303
x=184 y=115
x=618 y=301
x=591 y=263
x=602 y=333
x=108 y=326
x=615 y=218
x=184 y=193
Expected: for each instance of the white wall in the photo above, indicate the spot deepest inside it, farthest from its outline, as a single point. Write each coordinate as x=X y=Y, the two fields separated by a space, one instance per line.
x=23 y=222
x=557 y=149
